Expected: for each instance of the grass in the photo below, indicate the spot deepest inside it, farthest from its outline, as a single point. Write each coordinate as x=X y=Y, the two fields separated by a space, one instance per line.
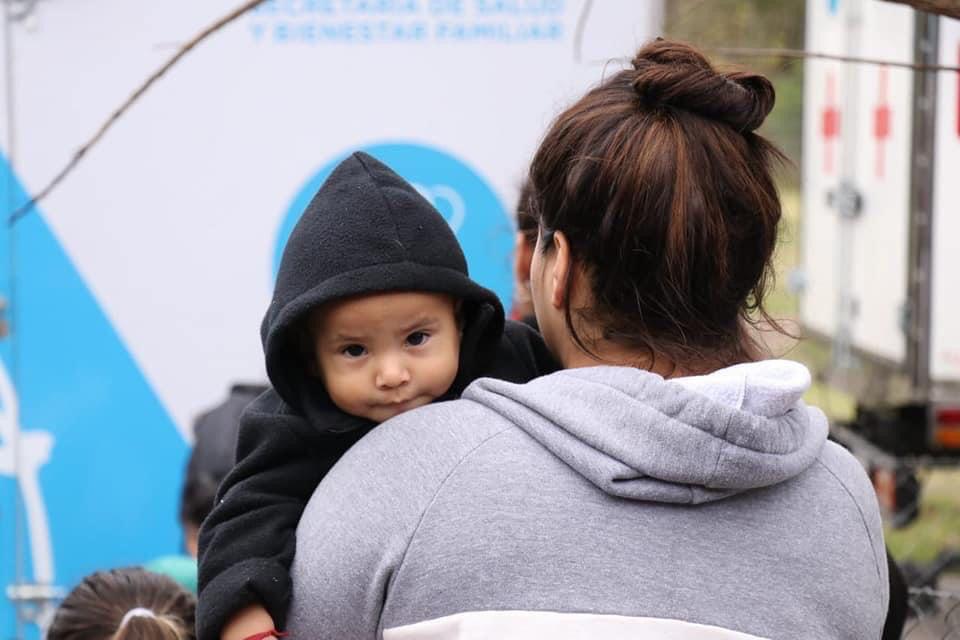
x=938 y=526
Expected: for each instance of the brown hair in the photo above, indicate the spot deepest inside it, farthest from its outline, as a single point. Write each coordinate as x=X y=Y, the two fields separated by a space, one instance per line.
x=526 y=221
x=666 y=197
x=97 y=608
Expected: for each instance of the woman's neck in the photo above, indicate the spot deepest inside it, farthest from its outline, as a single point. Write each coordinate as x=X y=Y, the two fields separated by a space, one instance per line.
x=607 y=353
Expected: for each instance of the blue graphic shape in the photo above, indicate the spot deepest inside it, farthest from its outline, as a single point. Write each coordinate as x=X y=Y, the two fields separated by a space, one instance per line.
x=833 y=5
x=111 y=485
x=479 y=219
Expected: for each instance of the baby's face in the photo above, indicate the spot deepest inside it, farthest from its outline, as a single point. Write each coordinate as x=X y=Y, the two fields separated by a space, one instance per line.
x=382 y=354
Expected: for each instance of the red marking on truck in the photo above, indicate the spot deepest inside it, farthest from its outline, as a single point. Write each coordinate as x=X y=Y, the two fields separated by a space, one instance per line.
x=947 y=427
x=829 y=124
x=881 y=121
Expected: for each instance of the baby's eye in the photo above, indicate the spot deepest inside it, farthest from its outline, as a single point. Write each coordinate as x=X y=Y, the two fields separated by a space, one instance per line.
x=353 y=350
x=417 y=338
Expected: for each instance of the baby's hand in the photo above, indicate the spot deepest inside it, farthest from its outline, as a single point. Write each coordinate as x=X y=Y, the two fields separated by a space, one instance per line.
x=249 y=621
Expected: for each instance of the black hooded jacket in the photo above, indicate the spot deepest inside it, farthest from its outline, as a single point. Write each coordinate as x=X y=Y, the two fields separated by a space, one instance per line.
x=365 y=231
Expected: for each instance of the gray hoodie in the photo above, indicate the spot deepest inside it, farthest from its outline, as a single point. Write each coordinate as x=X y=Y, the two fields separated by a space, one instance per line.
x=601 y=502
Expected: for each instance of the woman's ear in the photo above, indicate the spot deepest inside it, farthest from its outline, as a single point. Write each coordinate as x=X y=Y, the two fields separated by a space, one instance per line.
x=560 y=269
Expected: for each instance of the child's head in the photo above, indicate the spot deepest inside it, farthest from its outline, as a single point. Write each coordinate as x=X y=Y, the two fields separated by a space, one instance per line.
x=369 y=241
x=125 y=604
x=385 y=353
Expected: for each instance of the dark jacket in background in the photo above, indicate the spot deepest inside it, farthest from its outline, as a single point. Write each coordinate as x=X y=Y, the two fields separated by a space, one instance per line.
x=214 y=452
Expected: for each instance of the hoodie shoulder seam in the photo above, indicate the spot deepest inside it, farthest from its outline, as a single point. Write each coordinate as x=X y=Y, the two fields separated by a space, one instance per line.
x=436 y=493
x=863 y=521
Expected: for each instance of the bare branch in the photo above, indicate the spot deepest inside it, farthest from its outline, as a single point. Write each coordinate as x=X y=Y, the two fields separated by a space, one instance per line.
x=799 y=53
x=578 y=32
x=796 y=53
x=943 y=7
x=82 y=151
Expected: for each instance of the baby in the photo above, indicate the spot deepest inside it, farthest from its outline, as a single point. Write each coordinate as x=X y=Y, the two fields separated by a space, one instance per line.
x=373 y=314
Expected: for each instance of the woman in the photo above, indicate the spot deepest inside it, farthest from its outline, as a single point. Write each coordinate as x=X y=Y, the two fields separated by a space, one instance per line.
x=668 y=482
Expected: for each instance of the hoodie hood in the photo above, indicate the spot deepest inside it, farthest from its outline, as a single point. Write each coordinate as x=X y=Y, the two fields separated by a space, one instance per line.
x=367 y=230
x=686 y=440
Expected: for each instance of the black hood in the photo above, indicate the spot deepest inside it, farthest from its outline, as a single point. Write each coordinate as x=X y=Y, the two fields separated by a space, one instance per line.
x=367 y=230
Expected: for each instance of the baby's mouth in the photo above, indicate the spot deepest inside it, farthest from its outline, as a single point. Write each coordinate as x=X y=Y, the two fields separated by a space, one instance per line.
x=397 y=404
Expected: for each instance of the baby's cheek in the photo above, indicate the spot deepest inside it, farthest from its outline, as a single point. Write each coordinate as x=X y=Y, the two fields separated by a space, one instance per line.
x=447 y=378
x=340 y=387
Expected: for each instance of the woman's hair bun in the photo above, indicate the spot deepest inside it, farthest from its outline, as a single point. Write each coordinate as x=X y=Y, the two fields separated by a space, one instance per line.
x=675 y=75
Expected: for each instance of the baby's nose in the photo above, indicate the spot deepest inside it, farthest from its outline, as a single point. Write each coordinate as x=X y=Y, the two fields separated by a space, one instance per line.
x=392 y=373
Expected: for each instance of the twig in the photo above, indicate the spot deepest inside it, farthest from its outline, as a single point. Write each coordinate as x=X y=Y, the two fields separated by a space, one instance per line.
x=942 y=7
x=81 y=152
x=23 y=13
x=578 y=31
x=799 y=53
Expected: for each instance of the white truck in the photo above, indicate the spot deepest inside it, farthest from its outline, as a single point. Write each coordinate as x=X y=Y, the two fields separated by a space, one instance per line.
x=881 y=230
x=132 y=295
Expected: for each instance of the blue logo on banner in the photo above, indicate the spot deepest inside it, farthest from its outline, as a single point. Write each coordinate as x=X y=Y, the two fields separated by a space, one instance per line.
x=478 y=218
x=100 y=460
x=832 y=5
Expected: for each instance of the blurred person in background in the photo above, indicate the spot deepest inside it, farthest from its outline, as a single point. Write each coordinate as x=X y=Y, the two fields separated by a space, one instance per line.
x=521 y=307
x=669 y=481
x=213 y=455
x=125 y=604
